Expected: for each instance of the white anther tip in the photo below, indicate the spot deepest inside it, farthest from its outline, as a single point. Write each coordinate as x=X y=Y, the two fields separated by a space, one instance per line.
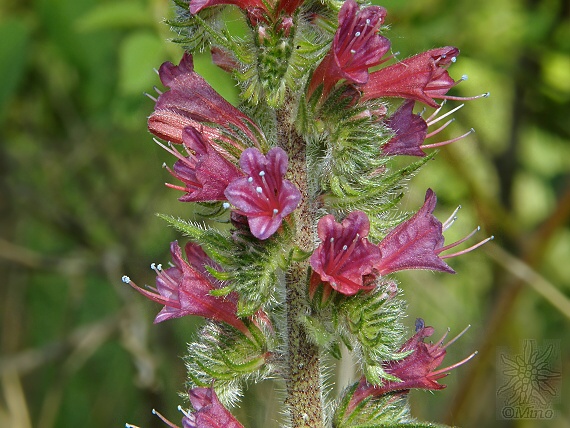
x=249 y=179
x=126 y=279
x=153 y=411
x=258 y=189
x=454 y=59
x=464 y=77
x=153 y=266
x=226 y=205
x=261 y=173
x=486 y=95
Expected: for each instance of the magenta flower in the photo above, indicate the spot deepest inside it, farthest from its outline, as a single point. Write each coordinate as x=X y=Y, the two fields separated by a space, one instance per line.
x=345 y=256
x=184 y=289
x=204 y=172
x=410 y=131
x=191 y=102
x=208 y=411
x=263 y=196
x=422 y=77
x=356 y=47
x=417 y=370
x=418 y=242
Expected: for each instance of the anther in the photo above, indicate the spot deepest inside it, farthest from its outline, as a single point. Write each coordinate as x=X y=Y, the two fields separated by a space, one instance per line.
x=352 y=51
x=225 y=205
x=357 y=34
x=454 y=59
x=258 y=189
x=261 y=173
x=344 y=247
x=126 y=279
x=250 y=179
x=275 y=211
x=464 y=77
x=153 y=266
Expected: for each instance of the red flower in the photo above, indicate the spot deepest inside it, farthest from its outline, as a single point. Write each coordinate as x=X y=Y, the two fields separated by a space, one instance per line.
x=417 y=370
x=263 y=196
x=422 y=78
x=356 y=47
x=208 y=411
x=191 y=102
x=418 y=242
x=344 y=256
x=204 y=172
x=184 y=289
x=410 y=131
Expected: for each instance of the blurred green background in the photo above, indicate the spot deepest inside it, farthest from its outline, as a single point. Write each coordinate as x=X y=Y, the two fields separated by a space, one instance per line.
x=81 y=181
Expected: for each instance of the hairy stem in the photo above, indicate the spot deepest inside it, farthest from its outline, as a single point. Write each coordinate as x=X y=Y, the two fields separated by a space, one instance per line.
x=304 y=388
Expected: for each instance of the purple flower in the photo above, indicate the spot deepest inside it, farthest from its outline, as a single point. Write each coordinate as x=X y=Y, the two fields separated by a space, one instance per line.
x=356 y=47
x=208 y=411
x=410 y=131
x=417 y=370
x=422 y=77
x=263 y=196
x=418 y=242
x=254 y=8
x=345 y=256
x=191 y=102
x=204 y=172
x=184 y=289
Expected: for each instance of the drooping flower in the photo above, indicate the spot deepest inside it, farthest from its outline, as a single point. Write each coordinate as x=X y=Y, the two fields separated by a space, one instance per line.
x=418 y=242
x=345 y=256
x=184 y=289
x=263 y=195
x=192 y=102
x=208 y=411
x=417 y=370
x=204 y=171
x=423 y=78
x=410 y=131
x=356 y=47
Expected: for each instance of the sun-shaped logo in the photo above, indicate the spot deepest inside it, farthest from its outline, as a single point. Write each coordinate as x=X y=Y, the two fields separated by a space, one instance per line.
x=529 y=382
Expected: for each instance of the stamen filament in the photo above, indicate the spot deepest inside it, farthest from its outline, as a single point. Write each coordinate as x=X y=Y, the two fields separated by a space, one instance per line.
x=443 y=372
x=444 y=143
x=447 y=256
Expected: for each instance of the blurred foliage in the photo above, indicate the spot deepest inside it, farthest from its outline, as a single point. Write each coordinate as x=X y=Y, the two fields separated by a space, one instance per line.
x=81 y=182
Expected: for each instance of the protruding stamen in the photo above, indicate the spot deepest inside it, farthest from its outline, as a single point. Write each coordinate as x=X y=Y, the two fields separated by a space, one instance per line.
x=163 y=419
x=475 y=97
x=446 y=142
x=131 y=426
x=462 y=240
x=150 y=96
x=457 y=337
x=431 y=120
x=126 y=279
x=483 y=242
x=443 y=372
x=153 y=266
x=447 y=223
x=158 y=91
x=184 y=412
